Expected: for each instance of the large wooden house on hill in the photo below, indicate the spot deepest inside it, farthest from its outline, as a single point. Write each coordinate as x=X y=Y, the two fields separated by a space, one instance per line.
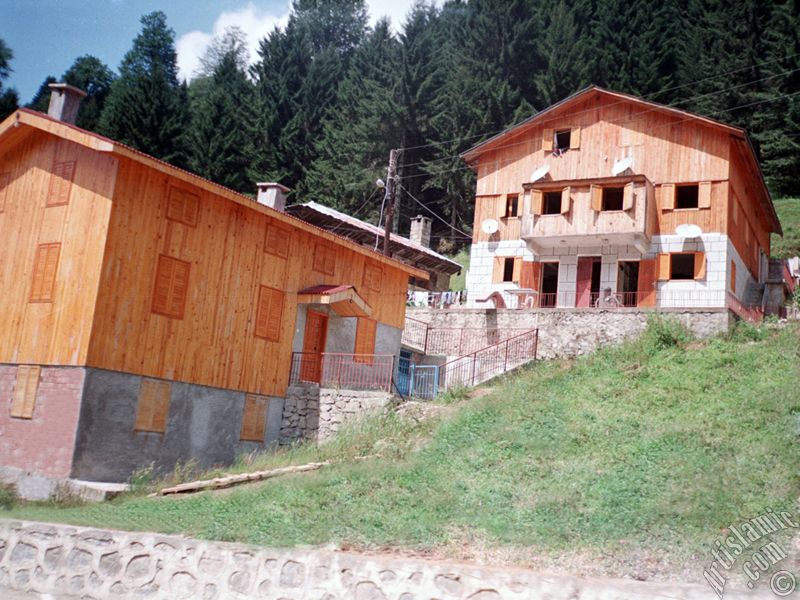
x=606 y=199
x=149 y=315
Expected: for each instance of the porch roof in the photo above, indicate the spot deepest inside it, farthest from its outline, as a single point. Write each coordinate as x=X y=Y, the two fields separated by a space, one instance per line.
x=343 y=299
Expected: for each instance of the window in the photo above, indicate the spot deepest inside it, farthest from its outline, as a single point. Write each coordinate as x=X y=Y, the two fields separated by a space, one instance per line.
x=562 y=141
x=45 y=268
x=171 y=287
x=613 y=198
x=365 y=340
x=681 y=266
x=552 y=203
x=508 y=269
x=25 y=389
x=276 y=240
x=60 y=183
x=686 y=196
x=182 y=206
x=733 y=276
x=5 y=179
x=324 y=259
x=153 y=406
x=512 y=205
x=254 y=418
x=269 y=314
x=373 y=274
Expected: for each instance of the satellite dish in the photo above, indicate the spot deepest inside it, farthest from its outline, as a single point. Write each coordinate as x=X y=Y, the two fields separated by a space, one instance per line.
x=687 y=231
x=540 y=172
x=489 y=226
x=622 y=165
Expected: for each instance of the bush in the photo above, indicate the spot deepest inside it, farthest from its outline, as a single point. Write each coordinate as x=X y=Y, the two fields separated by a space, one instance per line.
x=457 y=393
x=663 y=333
x=8 y=497
x=743 y=331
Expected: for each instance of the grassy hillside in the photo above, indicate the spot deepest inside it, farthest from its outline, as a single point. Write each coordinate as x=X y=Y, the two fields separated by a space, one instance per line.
x=630 y=462
x=789 y=214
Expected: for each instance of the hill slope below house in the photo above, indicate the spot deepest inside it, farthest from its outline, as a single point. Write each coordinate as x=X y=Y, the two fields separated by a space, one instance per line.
x=630 y=462
x=789 y=214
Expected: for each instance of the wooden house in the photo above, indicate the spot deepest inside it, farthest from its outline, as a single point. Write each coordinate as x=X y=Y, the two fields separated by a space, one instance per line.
x=605 y=200
x=151 y=316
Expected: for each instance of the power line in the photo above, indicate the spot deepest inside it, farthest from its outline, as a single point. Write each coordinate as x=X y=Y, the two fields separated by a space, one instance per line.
x=433 y=213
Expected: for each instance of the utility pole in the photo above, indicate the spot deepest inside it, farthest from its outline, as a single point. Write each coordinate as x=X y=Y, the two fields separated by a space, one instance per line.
x=391 y=176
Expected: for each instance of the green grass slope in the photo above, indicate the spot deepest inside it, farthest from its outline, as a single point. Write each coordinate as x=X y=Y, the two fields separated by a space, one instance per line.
x=789 y=214
x=640 y=453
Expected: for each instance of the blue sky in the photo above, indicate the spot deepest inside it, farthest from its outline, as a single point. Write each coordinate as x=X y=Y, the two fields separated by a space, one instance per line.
x=46 y=36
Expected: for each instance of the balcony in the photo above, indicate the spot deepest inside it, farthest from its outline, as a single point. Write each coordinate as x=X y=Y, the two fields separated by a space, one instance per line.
x=612 y=211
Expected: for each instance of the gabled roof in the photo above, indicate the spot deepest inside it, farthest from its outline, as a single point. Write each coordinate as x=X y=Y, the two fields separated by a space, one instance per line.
x=19 y=123
x=563 y=107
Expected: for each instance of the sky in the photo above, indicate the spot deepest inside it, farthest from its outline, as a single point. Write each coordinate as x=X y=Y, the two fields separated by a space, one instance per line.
x=47 y=36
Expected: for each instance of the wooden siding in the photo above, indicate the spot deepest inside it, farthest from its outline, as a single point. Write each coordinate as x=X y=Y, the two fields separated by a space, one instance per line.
x=215 y=343
x=55 y=331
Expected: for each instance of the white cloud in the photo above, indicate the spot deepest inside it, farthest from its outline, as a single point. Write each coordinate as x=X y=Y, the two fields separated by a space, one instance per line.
x=257 y=23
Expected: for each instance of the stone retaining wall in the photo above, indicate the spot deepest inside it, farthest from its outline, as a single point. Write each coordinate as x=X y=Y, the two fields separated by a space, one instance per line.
x=74 y=563
x=314 y=413
x=572 y=332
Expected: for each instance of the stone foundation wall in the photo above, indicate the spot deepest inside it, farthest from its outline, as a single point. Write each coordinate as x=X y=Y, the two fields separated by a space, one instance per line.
x=572 y=332
x=314 y=413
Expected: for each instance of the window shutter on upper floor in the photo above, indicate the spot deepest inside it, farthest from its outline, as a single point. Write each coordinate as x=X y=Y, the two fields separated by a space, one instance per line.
x=663 y=267
x=628 y=197
x=530 y=275
x=269 y=313
x=537 y=199
x=547 y=139
x=171 y=287
x=183 y=206
x=276 y=240
x=699 y=265
x=668 y=196
x=565 y=200
x=324 y=259
x=45 y=270
x=60 y=183
x=575 y=138
x=704 y=195
x=517 y=270
x=596 y=193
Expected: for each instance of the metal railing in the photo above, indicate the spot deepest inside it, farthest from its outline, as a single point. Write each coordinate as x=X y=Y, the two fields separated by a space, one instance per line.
x=459 y=341
x=346 y=371
x=415 y=334
x=754 y=314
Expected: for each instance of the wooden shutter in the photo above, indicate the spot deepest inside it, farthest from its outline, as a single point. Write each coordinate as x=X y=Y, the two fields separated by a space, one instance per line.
x=663 y=270
x=373 y=276
x=565 y=198
x=733 y=276
x=530 y=275
x=704 y=195
x=497 y=271
x=269 y=314
x=575 y=138
x=547 y=139
x=647 y=282
x=668 y=196
x=60 y=183
x=537 y=202
x=324 y=259
x=365 y=339
x=596 y=192
x=276 y=240
x=45 y=269
x=627 y=197
x=5 y=180
x=183 y=206
x=25 y=389
x=699 y=265
x=171 y=287
x=153 y=406
x=517 y=270
x=254 y=418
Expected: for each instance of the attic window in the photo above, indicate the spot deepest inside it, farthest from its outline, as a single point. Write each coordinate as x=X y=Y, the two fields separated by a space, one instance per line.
x=562 y=140
x=613 y=198
x=552 y=203
x=681 y=266
x=686 y=196
x=512 y=205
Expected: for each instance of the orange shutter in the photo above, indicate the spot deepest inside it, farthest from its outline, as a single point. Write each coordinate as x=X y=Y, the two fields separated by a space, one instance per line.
x=647 y=283
x=365 y=339
x=699 y=265
x=373 y=274
x=254 y=418
x=547 y=140
x=597 y=198
x=276 y=240
x=153 y=406
x=25 y=389
x=324 y=259
x=60 y=183
x=733 y=276
x=5 y=180
x=663 y=271
x=171 y=287
x=668 y=196
x=565 y=198
x=45 y=269
x=575 y=138
x=517 y=270
x=183 y=206
x=704 y=195
x=537 y=201
x=501 y=203
x=627 y=197
x=269 y=313
x=530 y=275
x=497 y=272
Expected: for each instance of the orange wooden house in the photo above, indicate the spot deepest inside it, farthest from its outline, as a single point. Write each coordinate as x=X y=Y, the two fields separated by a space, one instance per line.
x=605 y=199
x=151 y=316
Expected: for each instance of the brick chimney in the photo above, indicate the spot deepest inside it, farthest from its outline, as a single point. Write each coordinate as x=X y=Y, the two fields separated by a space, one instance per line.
x=64 y=102
x=272 y=194
x=421 y=231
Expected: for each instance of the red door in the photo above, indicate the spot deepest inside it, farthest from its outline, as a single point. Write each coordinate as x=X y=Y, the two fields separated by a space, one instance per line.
x=314 y=338
x=583 y=289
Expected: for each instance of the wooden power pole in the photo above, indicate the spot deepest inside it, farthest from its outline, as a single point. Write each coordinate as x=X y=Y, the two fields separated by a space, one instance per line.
x=391 y=176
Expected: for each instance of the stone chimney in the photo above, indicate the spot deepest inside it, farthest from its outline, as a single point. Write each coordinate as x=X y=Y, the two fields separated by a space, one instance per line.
x=421 y=231
x=64 y=102
x=272 y=195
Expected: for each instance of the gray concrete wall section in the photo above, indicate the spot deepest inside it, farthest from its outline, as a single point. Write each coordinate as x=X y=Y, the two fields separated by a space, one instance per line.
x=203 y=424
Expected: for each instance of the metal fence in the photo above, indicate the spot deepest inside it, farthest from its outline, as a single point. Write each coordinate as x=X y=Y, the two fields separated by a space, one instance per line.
x=347 y=371
x=415 y=334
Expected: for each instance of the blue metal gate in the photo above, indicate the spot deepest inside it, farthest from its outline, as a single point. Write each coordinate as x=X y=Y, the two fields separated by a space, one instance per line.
x=403 y=379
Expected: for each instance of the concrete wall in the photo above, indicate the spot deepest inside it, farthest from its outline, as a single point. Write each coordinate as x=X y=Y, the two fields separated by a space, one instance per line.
x=76 y=563
x=342 y=333
x=203 y=424
x=44 y=443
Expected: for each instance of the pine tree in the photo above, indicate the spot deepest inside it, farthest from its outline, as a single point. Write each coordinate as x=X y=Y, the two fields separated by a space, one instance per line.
x=8 y=97
x=94 y=77
x=41 y=99
x=147 y=107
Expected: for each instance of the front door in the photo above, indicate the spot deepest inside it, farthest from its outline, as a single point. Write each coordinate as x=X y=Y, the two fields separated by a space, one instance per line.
x=588 y=285
x=314 y=338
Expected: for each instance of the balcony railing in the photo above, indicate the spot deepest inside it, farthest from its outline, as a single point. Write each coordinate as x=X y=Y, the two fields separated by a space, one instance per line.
x=345 y=371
